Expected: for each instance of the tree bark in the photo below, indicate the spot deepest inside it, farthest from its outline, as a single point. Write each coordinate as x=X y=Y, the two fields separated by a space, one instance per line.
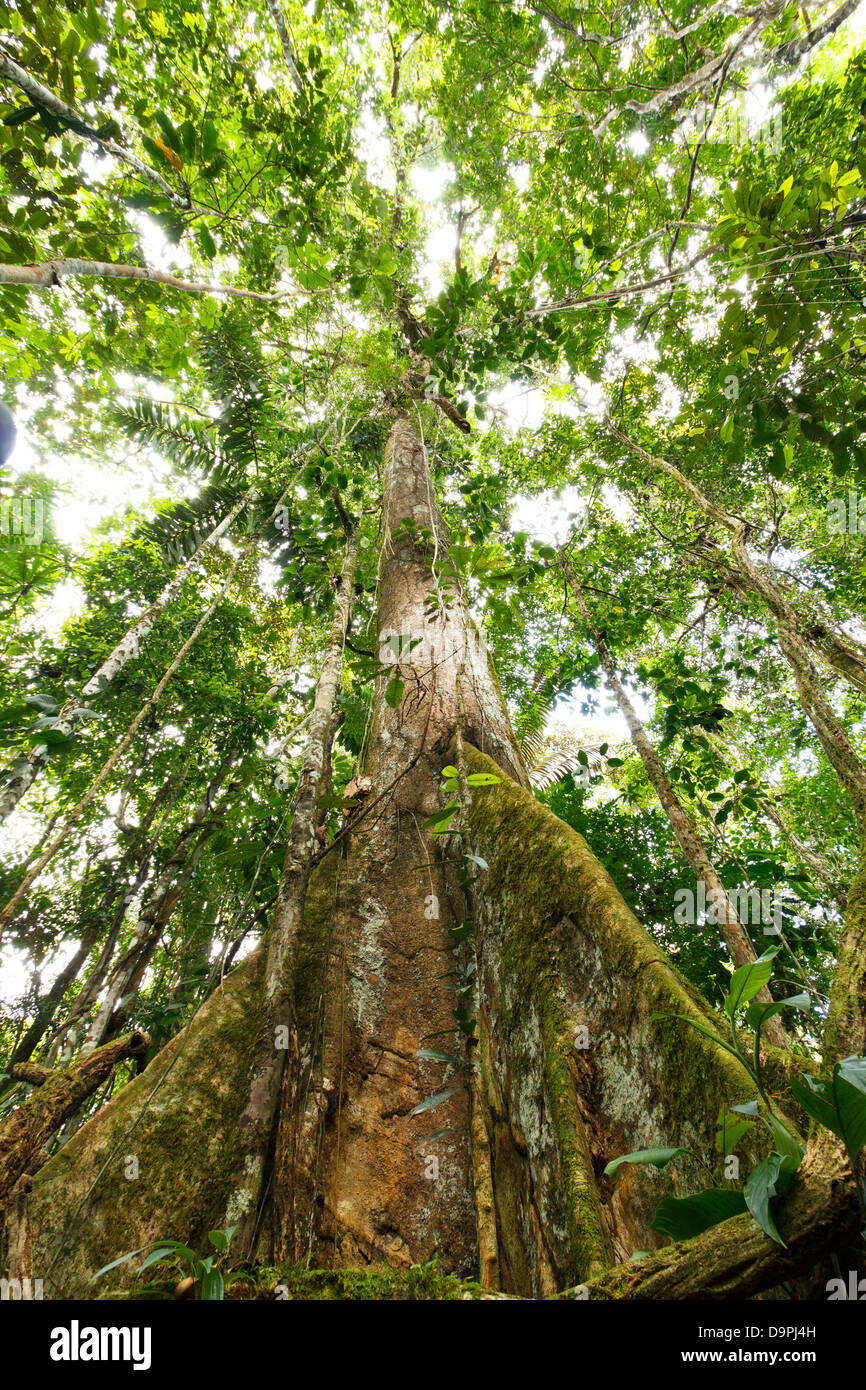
x=351 y=1164
x=49 y=275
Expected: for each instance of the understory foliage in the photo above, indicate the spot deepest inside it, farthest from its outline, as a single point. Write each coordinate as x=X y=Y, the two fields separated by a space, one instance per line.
x=611 y=262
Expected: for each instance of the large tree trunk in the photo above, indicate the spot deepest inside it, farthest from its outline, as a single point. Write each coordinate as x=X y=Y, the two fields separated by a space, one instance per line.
x=567 y=1068
x=352 y=1184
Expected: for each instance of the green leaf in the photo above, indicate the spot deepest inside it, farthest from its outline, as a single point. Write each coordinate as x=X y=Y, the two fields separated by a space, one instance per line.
x=757 y=1014
x=749 y=980
x=169 y=134
x=206 y=242
x=394 y=692
x=46 y=704
x=729 y=1135
x=188 y=138
x=816 y=1098
x=22 y=114
x=707 y=1033
x=849 y=1090
x=221 y=1240
x=482 y=779
x=789 y=1149
x=760 y=1187
x=432 y=1101
x=121 y=1259
x=162 y=1252
x=681 y=1218
x=463 y=932
x=656 y=1158
x=440 y=820
x=212 y=1286
x=208 y=139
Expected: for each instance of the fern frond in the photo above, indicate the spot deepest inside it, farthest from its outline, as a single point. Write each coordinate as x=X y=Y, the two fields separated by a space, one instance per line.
x=560 y=765
x=531 y=720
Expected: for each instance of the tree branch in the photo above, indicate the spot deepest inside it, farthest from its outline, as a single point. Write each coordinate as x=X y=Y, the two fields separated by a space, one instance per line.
x=46 y=275
x=60 y=1093
x=41 y=96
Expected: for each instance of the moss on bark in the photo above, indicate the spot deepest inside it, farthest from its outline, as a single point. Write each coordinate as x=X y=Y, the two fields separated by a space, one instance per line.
x=153 y=1163
x=562 y=953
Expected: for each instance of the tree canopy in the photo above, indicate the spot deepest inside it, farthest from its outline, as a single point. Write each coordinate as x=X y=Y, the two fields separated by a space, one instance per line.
x=610 y=261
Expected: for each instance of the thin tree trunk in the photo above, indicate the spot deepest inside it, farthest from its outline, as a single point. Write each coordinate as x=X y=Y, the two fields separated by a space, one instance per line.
x=19 y=779
x=843 y=653
x=116 y=891
x=257 y=1121
x=49 y=275
x=817 y=864
x=114 y=757
x=156 y=912
x=846 y=1022
x=734 y=932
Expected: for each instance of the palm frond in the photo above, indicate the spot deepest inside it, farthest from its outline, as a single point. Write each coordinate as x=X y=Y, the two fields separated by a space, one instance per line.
x=238 y=380
x=356 y=714
x=179 y=528
x=185 y=443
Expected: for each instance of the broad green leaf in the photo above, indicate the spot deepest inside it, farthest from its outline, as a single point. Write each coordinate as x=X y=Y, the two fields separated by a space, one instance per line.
x=440 y=820
x=849 y=1091
x=208 y=140
x=749 y=980
x=394 y=692
x=790 y=1150
x=817 y=1099
x=730 y=1133
x=681 y=1218
x=212 y=1286
x=759 y=1189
